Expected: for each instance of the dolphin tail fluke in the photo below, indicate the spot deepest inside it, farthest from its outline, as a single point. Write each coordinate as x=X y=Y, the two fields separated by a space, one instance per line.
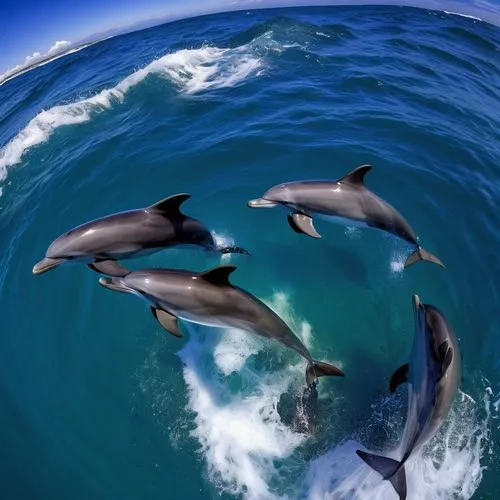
x=317 y=369
x=422 y=254
x=233 y=250
x=391 y=470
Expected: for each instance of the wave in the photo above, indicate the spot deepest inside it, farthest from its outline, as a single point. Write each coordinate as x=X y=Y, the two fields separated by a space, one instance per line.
x=190 y=70
x=462 y=15
x=447 y=467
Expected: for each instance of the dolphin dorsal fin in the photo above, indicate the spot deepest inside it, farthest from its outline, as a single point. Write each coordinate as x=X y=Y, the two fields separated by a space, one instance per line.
x=357 y=176
x=218 y=275
x=171 y=204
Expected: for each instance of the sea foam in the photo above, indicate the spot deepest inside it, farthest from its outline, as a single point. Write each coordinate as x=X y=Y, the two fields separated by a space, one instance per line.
x=462 y=15
x=241 y=435
x=447 y=467
x=248 y=450
x=190 y=70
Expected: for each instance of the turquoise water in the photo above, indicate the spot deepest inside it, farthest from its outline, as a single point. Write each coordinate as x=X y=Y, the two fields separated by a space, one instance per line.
x=97 y=402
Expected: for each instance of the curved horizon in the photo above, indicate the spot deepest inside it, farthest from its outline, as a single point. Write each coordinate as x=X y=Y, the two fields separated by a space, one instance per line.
x=486 y=12
x=100 y=402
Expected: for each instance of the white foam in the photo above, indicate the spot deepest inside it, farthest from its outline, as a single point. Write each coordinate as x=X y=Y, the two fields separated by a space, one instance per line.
x=234 y=348
x=223 y=241
x=191 y=71
x=462 y=15
x=240 y=435
x=448 y=467
x=353 y=232
x=397 y=264
x=399 y=254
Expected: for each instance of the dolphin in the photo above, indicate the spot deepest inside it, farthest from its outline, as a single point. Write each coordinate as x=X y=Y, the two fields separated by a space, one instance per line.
x=341 y=200
x=208 y=298
x=433 y=375
x=125 y=235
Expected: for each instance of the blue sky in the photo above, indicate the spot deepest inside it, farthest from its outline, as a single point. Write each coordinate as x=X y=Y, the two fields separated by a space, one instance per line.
x=29 y=26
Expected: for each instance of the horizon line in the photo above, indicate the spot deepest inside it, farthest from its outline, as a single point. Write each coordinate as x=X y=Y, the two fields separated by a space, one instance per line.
x=157 y=21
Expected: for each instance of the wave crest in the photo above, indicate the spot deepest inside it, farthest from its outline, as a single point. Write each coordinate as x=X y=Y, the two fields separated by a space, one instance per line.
x=190 y=70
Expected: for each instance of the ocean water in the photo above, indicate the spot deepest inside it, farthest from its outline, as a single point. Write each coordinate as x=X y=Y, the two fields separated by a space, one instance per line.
x=98 y=402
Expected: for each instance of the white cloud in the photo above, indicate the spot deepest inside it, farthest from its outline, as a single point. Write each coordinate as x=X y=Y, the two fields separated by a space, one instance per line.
x=58 y=46
x=33 y=56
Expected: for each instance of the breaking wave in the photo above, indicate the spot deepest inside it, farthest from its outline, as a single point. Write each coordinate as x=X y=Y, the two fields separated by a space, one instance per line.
x=189 y=70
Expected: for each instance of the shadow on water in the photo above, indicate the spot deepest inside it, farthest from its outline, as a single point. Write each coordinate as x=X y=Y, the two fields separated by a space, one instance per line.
x=299 y=410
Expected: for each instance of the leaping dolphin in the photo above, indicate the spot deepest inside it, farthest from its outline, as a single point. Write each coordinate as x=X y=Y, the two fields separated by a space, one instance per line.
x=345 y=199
x=208 y=298
x=433 y=375
x=125 y=235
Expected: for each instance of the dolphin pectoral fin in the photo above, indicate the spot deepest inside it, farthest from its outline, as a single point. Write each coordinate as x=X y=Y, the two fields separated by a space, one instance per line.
x=46 y=265
x=391 y=470
x=445 y=354
x=400 y=376
x=422 y=254
x=302 y=223
x=357 y=176
x=109 y=267
x=167 y=320
x=317 y=369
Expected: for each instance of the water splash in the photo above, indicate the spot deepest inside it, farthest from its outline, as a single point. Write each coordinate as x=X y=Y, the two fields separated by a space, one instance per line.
x=241 y=434
x=397 y=264
x=447 y=467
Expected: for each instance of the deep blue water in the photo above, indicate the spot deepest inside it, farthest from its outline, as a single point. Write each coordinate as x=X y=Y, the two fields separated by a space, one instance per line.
x=97 y=402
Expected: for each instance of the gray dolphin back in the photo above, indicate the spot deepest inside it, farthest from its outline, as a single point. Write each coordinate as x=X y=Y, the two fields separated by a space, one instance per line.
x=102 y=242
x=209 y=298
x=343 y=199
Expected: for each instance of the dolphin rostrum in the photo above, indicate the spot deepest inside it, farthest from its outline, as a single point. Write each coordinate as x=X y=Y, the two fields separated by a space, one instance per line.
x=102 y=242
x=345 y=199
x=208 y=298
x=433 y=376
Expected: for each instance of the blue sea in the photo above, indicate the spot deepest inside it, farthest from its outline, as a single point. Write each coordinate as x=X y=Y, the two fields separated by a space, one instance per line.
x=98 y=402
